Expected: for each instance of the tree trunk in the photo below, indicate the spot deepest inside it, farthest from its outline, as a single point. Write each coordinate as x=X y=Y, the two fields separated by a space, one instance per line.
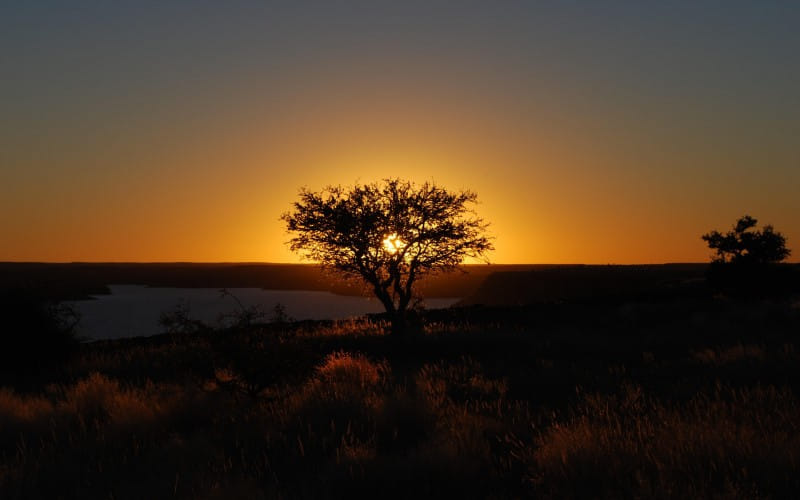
x=398 y=323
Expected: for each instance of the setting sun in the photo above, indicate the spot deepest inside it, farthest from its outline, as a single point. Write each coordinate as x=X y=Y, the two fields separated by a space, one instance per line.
x=399 y=249
x=393 y=243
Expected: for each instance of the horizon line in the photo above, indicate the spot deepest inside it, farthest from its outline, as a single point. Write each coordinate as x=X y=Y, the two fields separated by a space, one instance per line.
x=266 y=263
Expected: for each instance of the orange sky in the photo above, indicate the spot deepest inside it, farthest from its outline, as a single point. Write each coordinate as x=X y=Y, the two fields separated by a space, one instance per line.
x=578 y=153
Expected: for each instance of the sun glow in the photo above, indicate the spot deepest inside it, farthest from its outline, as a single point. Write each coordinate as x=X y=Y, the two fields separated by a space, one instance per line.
x=393 y=244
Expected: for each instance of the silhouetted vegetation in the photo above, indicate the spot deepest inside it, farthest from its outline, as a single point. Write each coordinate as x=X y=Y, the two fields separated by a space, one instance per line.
x=388 y=235
x=37 y=335
x=681 y=397
x=746 y=260
x=179 y=320
x=744 y=245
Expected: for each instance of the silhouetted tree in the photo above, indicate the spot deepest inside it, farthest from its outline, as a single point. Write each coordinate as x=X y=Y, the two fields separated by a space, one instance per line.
x=743 y=245
x=747 y=260
x=389 y=235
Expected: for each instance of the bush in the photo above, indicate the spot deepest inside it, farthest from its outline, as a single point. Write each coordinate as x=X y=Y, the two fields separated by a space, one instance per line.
x=37 y=336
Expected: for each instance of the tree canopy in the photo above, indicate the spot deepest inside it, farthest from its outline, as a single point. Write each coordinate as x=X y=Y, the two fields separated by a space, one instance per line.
x=388 y=234
x=744 y=245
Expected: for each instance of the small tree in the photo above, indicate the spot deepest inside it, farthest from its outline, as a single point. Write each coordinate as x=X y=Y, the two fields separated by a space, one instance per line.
x=744 y=245
x=389 y=235
x=746 y=259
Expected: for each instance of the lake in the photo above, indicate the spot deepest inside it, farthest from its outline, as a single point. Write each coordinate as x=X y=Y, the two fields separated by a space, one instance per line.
x=134 y=310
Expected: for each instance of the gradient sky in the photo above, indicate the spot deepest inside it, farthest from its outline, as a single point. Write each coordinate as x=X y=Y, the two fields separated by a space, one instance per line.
x=602 y=132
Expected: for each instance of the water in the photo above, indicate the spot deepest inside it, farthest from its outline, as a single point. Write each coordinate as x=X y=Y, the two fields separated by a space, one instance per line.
x=134 y=310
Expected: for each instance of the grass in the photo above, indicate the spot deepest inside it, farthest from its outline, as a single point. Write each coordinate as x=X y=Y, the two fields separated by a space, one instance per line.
x=679 y=399
x=731 y=443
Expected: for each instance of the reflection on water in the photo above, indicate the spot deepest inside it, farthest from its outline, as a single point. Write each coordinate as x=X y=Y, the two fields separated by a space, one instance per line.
x=133 y=310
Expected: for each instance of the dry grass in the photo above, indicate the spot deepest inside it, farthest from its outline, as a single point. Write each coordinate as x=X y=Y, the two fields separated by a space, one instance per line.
x=473 y=410
x=731 y=354
x=346 y=327
x=738 y=443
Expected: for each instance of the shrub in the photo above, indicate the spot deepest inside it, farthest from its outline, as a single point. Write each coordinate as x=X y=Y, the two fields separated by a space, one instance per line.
x=37 y=337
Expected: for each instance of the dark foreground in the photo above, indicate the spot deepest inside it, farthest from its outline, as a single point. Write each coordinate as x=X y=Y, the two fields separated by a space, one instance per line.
x=679 y=398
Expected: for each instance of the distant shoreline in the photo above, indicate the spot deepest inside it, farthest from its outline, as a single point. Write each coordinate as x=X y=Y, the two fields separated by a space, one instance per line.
x=80 y=280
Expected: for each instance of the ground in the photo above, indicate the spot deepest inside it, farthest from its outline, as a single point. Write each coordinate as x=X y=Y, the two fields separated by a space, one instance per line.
x=677 y=397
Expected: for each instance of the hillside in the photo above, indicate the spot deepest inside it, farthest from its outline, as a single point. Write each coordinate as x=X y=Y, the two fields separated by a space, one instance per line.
x=686 y=398
x=589 y=283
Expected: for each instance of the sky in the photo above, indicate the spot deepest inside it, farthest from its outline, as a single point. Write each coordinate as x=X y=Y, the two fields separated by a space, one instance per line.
x=592 y=132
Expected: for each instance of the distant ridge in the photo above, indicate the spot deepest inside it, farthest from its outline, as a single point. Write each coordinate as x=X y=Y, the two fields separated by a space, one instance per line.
x=79 y=280
x=587 y=282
